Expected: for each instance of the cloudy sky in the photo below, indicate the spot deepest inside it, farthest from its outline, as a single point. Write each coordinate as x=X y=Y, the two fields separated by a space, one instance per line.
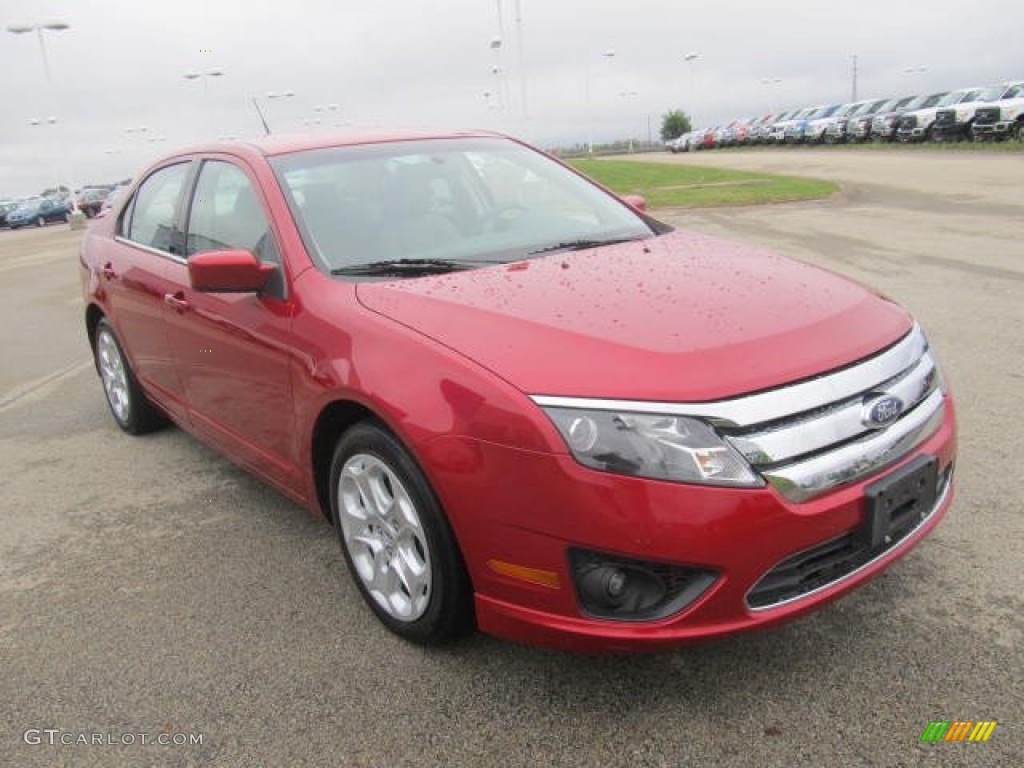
x=430 y=63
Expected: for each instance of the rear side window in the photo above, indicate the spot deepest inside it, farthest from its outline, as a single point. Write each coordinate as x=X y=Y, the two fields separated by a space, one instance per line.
x=153 y=210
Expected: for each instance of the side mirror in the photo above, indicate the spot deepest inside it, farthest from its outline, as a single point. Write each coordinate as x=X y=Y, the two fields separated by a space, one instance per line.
x=635 y=201
x=228 y=272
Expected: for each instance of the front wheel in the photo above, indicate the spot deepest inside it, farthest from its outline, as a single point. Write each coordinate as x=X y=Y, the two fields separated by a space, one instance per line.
x=396 y=540
x=128 y=403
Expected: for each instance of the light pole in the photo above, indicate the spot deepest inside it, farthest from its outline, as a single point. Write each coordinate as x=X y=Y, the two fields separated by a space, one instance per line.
x=271 y=96
x=205 y=77
x=56 y=171
x=770 y=82
x=918 y=70
x=497 y=70
x=607 y=56
x=690 y=58
x=53 y=26
x=633 y=95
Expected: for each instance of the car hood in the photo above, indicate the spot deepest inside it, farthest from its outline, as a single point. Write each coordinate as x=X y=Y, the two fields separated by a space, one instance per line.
x=680 y=317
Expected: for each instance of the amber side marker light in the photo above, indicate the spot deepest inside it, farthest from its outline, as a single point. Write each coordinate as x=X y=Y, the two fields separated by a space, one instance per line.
x=524 y=573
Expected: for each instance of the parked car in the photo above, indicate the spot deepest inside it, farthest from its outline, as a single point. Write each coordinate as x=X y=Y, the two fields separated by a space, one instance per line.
x=953 y=123
x=6 y=206
x=919 y=124
x=37 y=212
x=680 y=143
x=1002 y=119
x=835 y=129
x=448 y=345
x=845 y=130
x=794 y=129
x=777 y=133
x=756 y=129
x=763 y=133
x=113 y=198
x=90 y=200
x=814 y=127
x=886 y=121
x=859 y=129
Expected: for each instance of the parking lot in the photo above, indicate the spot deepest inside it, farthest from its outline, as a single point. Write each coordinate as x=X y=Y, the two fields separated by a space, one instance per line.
x=151 y=587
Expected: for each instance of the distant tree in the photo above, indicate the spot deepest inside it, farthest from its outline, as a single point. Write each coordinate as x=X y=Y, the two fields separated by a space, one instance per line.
x=674 y=124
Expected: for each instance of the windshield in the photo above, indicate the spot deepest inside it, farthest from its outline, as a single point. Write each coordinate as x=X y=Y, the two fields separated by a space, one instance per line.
x=989 y=94
x=952 y=98
x=474 y=200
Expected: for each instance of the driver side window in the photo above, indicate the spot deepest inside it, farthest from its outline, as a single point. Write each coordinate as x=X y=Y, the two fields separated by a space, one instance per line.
x=226 y=214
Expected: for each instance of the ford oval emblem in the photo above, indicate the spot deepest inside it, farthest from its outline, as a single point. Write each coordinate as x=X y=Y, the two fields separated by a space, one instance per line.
x=880 y=412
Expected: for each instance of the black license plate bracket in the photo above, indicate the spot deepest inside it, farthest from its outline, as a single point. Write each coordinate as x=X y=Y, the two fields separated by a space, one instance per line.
x=897 y=501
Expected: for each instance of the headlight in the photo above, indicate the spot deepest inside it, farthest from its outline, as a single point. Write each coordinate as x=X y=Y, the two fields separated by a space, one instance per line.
x=673 y=448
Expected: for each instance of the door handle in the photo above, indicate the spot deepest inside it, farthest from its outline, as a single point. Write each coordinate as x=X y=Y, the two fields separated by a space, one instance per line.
x=176 y=301
x=108 y=271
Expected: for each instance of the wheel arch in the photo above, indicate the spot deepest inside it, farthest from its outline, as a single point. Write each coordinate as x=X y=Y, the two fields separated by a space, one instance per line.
x=333 y=420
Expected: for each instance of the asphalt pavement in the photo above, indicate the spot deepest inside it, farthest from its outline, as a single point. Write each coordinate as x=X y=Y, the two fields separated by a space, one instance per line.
x=152 y=591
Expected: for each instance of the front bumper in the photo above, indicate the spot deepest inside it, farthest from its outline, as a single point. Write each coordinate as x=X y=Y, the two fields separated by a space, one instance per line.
x=1000 y=129
x=556 y=504
x=947 y=131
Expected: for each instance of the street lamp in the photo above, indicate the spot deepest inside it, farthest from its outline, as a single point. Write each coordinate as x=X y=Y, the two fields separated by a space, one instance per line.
x=690 y=58
x=52 y=26
x=607 y=56
x=920 y=69
x=633 y=95
x=205 y=77
x=271 y=96
x=56 y=172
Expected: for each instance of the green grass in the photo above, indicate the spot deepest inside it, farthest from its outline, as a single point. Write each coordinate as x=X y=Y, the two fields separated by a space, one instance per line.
x=680 y=186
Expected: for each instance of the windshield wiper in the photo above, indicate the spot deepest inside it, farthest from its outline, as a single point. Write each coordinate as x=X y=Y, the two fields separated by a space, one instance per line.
x=582 y=245
x=404 y=266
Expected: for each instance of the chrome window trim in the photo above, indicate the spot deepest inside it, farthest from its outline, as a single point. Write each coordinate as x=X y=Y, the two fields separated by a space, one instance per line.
x=843 y=422
x=905 y=543
x=149 y=249
x=804 y=480
x=783 y=402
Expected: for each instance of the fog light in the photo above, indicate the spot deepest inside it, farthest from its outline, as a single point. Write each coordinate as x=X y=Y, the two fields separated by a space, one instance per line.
x=614 y=587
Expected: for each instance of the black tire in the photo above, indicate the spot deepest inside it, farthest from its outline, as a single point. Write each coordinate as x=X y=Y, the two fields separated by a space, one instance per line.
x=449 y=608
x=1017 y=132
x=130 y=407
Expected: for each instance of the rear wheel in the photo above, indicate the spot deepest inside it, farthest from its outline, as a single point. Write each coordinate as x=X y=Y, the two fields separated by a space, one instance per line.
x=128 y=403
x=396 y=540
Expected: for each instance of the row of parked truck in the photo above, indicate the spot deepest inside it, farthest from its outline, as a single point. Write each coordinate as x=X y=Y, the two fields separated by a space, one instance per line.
x=967 y=114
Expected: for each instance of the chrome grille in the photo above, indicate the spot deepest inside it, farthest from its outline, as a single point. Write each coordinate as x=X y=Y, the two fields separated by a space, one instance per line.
x=810 y=437
x=825 y=442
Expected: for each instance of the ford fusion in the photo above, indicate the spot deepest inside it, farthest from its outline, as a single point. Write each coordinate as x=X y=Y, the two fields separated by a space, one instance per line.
x=524 y=404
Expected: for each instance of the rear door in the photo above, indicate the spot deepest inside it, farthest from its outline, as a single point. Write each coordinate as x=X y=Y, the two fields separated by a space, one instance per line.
x=133 y=273
x=233 y=350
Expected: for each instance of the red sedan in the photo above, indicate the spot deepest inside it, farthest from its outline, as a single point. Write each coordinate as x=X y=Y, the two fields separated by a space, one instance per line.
x=525 y=404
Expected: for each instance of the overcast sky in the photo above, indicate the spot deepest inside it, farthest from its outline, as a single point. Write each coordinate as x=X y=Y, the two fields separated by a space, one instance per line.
x=429 y=63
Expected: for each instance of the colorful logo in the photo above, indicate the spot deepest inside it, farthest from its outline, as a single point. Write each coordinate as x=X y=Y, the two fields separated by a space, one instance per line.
x=958 y=730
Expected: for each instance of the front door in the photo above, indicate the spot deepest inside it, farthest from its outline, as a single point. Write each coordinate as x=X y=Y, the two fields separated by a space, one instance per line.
x=232 y=350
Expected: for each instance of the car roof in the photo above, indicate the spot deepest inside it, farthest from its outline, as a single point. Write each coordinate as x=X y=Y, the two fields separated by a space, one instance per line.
x=282 y=144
